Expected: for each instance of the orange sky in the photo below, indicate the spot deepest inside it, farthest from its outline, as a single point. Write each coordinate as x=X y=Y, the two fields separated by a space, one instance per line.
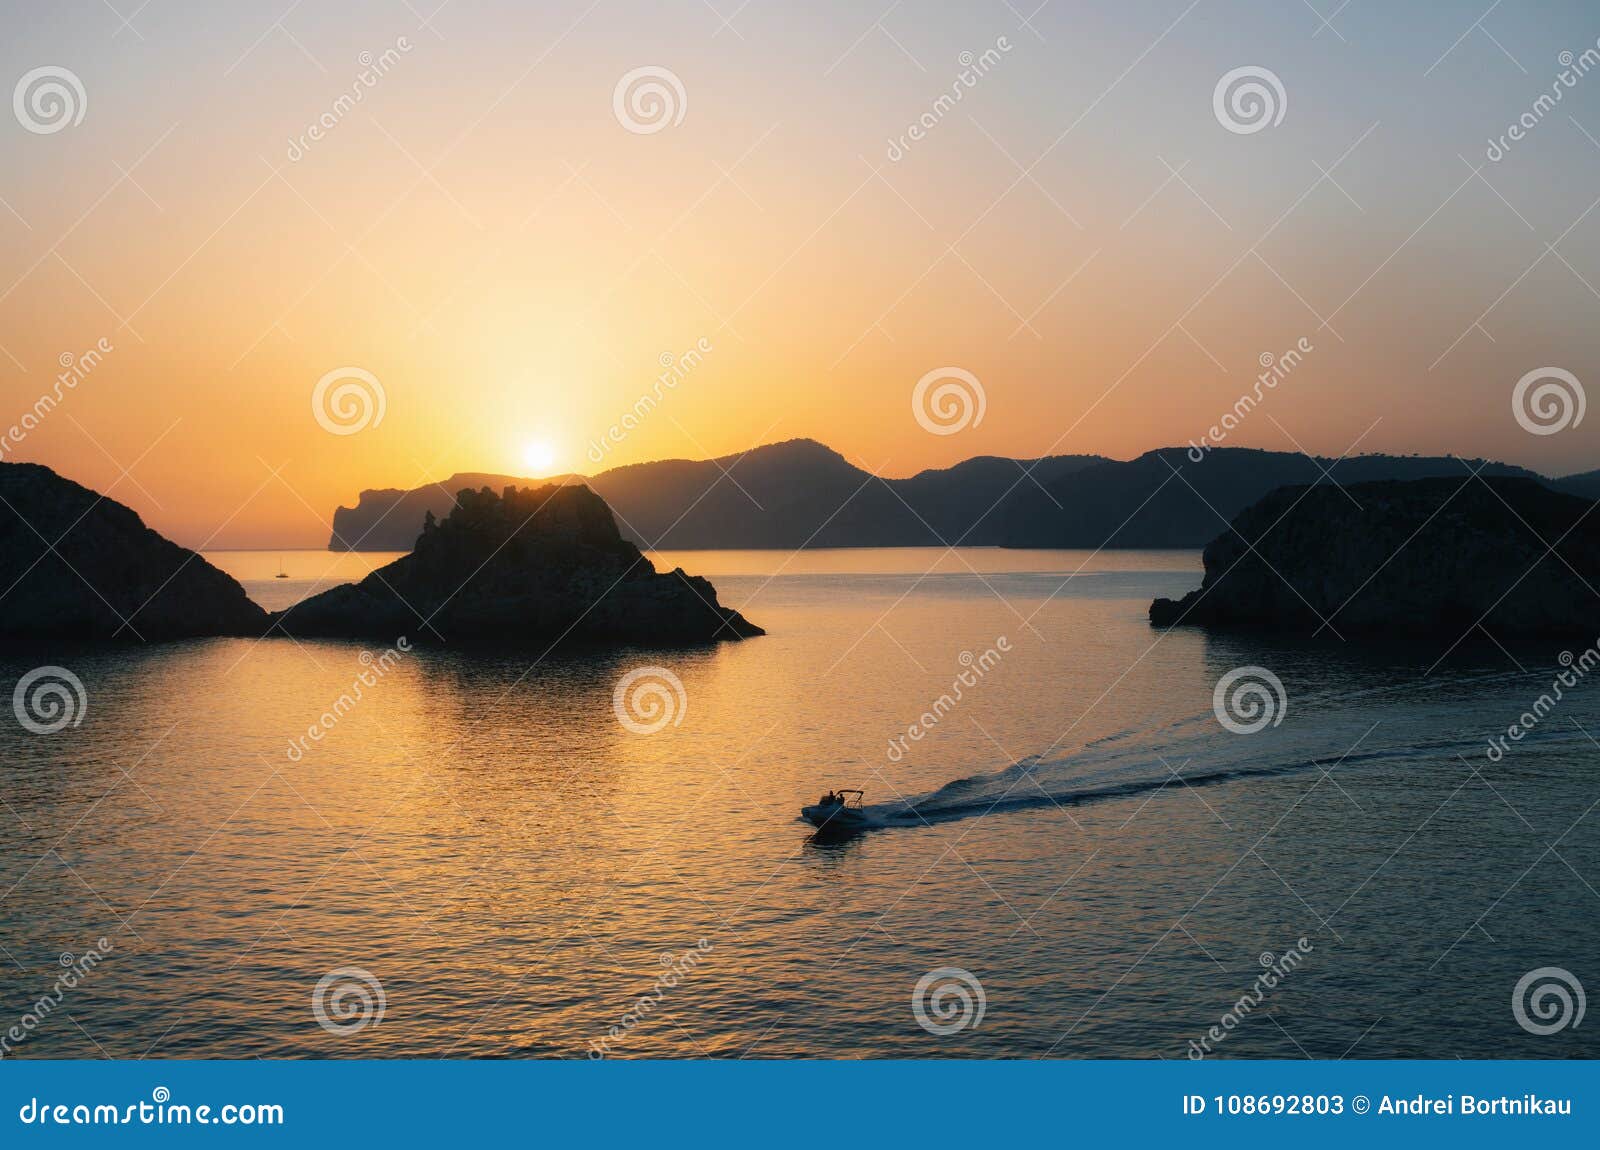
x=484 y=235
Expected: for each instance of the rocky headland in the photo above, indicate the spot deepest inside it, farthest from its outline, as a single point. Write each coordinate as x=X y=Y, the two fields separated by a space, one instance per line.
x=1426 y=556
x=76 y=564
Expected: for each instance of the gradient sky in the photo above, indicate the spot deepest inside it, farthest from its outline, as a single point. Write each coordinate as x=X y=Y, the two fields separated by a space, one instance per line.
x=485 y=237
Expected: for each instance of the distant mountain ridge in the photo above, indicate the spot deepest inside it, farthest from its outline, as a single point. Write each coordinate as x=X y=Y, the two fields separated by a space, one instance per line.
x=1585 y=483
x=800 y=493
x=1167 y=498
x=784 y=495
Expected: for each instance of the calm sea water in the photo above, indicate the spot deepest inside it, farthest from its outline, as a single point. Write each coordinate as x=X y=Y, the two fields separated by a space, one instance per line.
x=524 y=874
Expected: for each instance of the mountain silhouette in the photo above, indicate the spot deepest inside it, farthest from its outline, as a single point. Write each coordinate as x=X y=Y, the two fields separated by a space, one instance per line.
x=1585 y=483
x=785 y=495
x=802 y=494
x=1166 y=498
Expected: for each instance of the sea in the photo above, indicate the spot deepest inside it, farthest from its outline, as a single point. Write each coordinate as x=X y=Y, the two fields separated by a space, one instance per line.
x=1083 y=837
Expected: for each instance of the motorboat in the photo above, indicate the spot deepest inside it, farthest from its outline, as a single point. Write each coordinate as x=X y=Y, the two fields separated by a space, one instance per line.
x=837 y=811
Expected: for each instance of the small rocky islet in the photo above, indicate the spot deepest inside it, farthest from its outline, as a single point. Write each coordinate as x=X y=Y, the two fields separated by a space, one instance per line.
x=539 y=563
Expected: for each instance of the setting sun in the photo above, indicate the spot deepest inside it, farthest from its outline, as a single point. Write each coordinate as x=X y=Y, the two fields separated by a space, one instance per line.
x=539 y=455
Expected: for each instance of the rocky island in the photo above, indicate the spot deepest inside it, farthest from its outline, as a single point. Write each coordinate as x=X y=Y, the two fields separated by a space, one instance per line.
x=544 y=563
x=1425 y=556
x=76 y=564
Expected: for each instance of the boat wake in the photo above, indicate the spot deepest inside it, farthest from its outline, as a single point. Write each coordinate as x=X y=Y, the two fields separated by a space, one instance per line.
x=1365 y=728
x=1020 y=787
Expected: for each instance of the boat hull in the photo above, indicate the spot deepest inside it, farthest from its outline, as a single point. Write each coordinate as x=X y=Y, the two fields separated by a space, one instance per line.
x=833 y=817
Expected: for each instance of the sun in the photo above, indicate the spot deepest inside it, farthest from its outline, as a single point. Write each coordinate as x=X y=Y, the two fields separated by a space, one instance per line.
x=539 y=455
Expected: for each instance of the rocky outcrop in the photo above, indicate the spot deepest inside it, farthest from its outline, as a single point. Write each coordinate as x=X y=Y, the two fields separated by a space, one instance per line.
x=76 y=564
x=543 y=563
x=1429 y=556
